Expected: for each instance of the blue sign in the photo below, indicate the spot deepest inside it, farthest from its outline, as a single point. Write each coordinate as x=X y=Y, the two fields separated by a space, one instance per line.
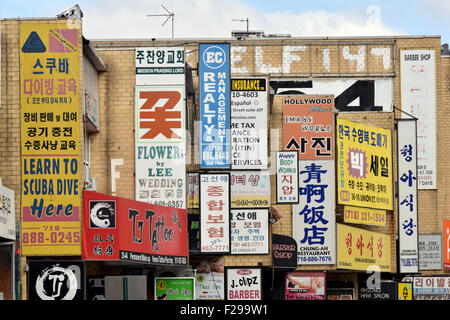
x=214 y=84
x=33 y=44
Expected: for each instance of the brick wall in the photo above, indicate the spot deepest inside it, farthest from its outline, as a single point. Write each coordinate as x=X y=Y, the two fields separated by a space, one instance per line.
x=286 y=59
x=314 y=58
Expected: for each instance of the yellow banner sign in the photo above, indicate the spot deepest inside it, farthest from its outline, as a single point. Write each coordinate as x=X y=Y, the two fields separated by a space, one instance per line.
x=359 y=249
x=405 y=291
x=50 y=56
x=366 y=216
x=364 y=165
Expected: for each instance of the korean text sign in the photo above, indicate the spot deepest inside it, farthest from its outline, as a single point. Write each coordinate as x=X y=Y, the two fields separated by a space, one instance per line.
x=214 y=88
x=215 y=213
x=407 y=196
x=358 y=249
x=386 y=290
x=430 y=287
x=243 y=283
x=313 y=218
x=249 y=123
x=305 y=286
x=160 y=65
x=364 y=160
x=249 y=231
x=250 y=189
x=287 y=177
x=308 y=126
x=430 y=251
x=50 y=92
x=161 y=145
x=121 y=229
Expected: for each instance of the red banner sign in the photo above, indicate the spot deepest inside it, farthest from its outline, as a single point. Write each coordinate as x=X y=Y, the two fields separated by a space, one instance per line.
x=116 y=228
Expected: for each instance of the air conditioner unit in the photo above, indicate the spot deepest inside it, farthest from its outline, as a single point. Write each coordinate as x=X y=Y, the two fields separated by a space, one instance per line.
x=91 y=184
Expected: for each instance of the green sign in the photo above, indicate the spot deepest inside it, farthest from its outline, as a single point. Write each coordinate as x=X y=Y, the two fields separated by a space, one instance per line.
x=173 y=288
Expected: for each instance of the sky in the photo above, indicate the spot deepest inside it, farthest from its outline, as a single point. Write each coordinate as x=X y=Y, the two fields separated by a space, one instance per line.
x=114 y=19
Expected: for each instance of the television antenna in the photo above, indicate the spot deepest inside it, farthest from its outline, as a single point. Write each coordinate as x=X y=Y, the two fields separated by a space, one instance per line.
x=241 y=20
x=168 y=15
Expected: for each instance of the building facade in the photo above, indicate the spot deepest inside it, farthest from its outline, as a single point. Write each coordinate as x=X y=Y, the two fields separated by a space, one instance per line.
x=129 y=145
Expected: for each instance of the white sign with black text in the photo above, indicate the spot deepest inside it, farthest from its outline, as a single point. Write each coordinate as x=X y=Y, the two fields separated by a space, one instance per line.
x=430 y=251
x=249 y=123
x=249 y=231
x=407 y=196
x=418 y=96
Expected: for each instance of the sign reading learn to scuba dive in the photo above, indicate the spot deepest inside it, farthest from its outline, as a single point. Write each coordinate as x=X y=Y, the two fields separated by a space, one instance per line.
x=50 y=55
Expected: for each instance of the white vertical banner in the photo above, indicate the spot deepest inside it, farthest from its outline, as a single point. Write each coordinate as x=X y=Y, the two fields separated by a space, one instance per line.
x=161 y=145
x=407 y=196
x=215 y=213
x=287 y=176
x=418 y=96
x=249 y=123
x=160 y=126
x=313 y=220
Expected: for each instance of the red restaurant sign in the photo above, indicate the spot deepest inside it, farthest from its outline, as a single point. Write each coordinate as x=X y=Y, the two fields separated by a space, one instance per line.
x=116 y=228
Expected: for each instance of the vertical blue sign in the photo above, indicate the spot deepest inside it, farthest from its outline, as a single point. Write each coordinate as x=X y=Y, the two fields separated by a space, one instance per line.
x=214 y=84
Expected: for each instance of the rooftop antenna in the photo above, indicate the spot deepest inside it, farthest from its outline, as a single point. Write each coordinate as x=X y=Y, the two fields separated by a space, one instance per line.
x=168 y=15
x=241 y=20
